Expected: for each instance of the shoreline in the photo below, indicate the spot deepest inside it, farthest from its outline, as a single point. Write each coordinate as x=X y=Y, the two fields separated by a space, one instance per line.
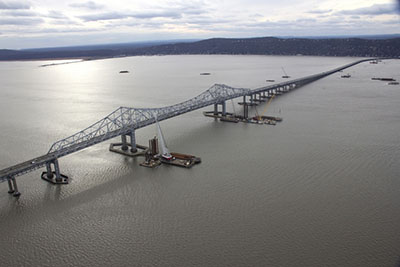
x=83 y=59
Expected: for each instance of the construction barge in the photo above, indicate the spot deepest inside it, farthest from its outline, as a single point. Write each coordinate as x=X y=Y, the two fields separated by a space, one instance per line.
x=384 y=79
x=181 y=160
x=156 y=154
x=229 y=117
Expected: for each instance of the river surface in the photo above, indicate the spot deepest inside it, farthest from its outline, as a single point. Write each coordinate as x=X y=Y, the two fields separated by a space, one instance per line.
x=321 y=188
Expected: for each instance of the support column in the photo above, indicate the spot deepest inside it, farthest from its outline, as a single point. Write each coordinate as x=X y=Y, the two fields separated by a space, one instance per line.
x=57 y=171
x=49 y=171
x=223 y=108
x=244 y=100
x=133 y=141
x=124 y=143
x=245 y=110
x=215 y=109
x=16 y=192
x=10 y=187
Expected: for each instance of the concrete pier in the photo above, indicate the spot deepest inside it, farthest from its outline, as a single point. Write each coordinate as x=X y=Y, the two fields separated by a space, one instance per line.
x=16 y=193
x=10 y=187
x=130 y=148
x=124 y=146
x=54 y=177
x=133 y=141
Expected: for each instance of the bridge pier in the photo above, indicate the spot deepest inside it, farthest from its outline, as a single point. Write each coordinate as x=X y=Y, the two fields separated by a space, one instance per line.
x=124 y=146
x=130 y=148
x=16 y=192
x=133 y=141
x=223 y=104
x=54 y=177
x=223 y=111
x=12 y=187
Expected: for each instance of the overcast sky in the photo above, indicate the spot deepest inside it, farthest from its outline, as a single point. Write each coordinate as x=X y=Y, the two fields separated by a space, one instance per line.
x=49 y=23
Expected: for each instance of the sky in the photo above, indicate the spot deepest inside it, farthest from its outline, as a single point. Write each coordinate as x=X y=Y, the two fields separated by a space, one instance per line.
x=54 y=23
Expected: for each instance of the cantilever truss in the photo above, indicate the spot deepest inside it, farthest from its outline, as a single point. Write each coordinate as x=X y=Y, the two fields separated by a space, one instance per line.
x=124 y=119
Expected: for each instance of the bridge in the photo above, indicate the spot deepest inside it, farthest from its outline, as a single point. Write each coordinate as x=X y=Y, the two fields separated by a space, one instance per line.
x=124 y=121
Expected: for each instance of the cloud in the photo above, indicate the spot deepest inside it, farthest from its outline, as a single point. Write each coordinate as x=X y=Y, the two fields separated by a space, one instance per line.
x=319 y=11
x=103 y=16
x=138 y=15
x=54 y=14
x=377 y=9
x=87 y=5
x=19 y=21
x=19 y=13
x=14 y=5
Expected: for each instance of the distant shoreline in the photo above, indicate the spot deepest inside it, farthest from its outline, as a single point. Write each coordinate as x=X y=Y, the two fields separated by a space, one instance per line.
x=348 y=47
x=81 y=60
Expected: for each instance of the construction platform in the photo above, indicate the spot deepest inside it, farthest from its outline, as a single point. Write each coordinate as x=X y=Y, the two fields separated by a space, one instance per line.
x=229 y=117
x=118 y=148
x=181 y=160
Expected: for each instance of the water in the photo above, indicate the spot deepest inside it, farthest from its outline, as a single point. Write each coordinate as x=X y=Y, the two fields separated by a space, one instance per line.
x=319 y=189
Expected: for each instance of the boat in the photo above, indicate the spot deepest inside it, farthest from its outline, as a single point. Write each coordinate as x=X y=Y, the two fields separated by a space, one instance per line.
x=188 y=157
x=346 y=76
x=393 y=83
x=384 y=79
x=273 y=118
x=285 y=76
x=124 y=71
x=270 y=81
x=229 y=119
x=205 y=73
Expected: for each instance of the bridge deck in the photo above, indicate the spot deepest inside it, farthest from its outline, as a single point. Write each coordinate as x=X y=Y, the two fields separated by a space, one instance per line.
x=124 y=120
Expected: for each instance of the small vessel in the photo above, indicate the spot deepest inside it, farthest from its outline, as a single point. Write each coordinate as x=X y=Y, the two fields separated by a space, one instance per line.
x=205 y=73
x=229 y=119
x=384 y=79
x=346 y=76
x=124 y=71
x=285 y=76
x=393 y=83
x=270 y=81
